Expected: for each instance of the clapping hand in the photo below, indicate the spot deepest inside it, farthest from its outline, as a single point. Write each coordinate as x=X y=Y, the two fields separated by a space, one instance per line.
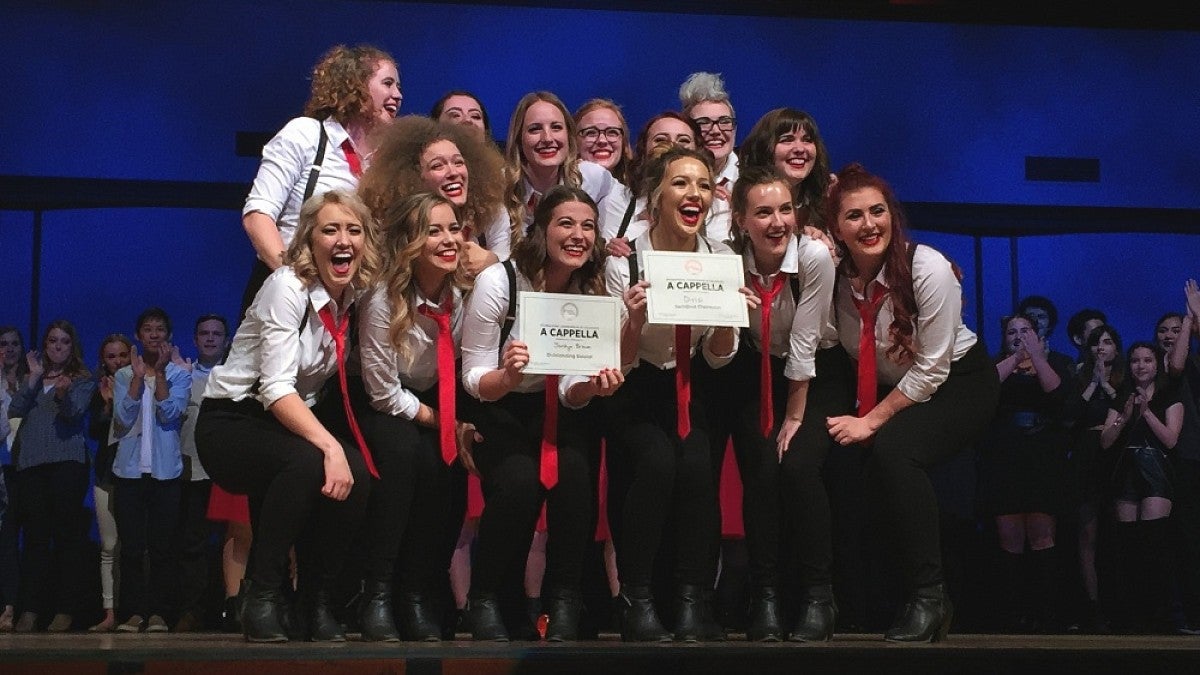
x=34 y=361
x=178 y=359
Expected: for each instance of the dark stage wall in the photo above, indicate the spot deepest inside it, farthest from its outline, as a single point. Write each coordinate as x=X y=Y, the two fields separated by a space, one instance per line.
x=948 y=112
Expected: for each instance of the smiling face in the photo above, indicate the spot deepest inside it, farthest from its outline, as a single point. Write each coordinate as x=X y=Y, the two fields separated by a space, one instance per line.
x=669 y=130
x=544 y=136
x=1143 y=365
x=444 y=171
x=570 y=236
x=718 y=141
x=601 y=137
x=211 y=339
x=337 y=243
x=1016 y=330
x=464 y=110
x=864 y=225
x=114 y=356
x=439 y=256
x=769 y=220
x=57 y=348
x=684 y=197
x=795 y=154
x=384 y=91
x=1167 y=332
x=153 y=334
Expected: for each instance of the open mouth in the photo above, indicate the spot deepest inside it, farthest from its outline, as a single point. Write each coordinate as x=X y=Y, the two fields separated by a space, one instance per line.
x=547 y=151
x=690 y=213
x=448 y=255
x=776 y=235
x=392 y=108
x=602 y=153
x=453 y=189
x=870 y=240
x=575 y=250
x=341 y=262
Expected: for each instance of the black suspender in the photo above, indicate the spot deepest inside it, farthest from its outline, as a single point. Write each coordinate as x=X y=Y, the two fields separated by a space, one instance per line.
x=628 y=217
x=311 y=185
x=511 y=316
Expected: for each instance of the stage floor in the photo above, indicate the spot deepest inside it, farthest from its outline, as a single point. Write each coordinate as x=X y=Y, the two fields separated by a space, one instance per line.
x=214 y=654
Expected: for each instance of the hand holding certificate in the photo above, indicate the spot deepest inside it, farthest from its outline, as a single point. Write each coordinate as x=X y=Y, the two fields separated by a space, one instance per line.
x=570 y=334
x=696 y=289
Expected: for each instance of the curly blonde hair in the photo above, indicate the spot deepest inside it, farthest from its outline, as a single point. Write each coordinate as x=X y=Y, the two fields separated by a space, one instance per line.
x=299 y=254
x=395 y=171
x=569 y=174
x=404 y=240
x=339 y=82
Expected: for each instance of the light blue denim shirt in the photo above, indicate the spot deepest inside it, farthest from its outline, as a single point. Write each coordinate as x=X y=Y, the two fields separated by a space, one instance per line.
x=166 y=459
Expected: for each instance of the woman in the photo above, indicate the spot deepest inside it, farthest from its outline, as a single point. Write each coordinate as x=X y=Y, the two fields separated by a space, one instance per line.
x=50 y=461
x=658 y=455
x=462 y=107
x=517 y=417
x=624 y=218
x=939 y=387
x=1095 y=390
x=781 y=399
x=543 y=151
x=1024 y=473
x=604 y=135
x=115 y=353
x=263 y=433
x=12 y=364
x=1144 y=427
x=355 y=91
x=703 y=99
x=410 y=331
x=12 y=352
x=789 y=140
x=419 y=155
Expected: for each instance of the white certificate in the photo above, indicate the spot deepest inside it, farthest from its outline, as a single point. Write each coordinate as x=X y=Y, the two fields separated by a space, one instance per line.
x=570 y=334
x=694 y=289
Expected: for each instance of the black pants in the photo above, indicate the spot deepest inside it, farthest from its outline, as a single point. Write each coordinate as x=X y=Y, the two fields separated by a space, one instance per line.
x=417 y=506
x=508 y=460
x=919 y=437
x=9 y=552
x=655 y=478
x=1185 y=519
x=192 y=537
x=246 y=451
x=147 y=512
x=53 y=529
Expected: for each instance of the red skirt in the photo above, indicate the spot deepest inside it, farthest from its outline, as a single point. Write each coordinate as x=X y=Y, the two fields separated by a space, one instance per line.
x=227 y=507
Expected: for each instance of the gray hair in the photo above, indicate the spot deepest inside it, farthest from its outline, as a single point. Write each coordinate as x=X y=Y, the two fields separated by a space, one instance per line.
x=700 y=87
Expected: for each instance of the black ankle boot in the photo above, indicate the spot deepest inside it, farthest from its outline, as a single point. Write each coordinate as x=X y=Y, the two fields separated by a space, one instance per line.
x=563 y=607
x=764 y=624
x=689 y=613
x=323 y=626
x=818 y=615
x=711 y=629
x=415 y=618
x=375 y=619
x=231 y=615
x=262 y=608
x=926 y=617
x=639 y=620
x=483 y=616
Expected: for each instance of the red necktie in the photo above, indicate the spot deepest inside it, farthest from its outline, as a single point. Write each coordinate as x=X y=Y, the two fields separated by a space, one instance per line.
x=683 y=381
x=352 y=158
x=338 y=331
x=766 y=411
x=868 y=384
x=548 y=463
x=445 y=363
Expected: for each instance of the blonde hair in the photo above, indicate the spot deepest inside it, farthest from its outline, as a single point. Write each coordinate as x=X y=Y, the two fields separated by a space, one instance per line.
x=299 y=254
x=618 y=170
x=569 y=174
x=404 y=239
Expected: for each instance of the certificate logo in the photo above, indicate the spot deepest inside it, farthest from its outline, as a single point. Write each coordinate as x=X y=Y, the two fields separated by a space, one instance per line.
x=569 y=311
x=693 y=266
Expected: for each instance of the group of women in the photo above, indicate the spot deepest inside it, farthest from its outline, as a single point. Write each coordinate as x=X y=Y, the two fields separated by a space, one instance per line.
x=406 y=242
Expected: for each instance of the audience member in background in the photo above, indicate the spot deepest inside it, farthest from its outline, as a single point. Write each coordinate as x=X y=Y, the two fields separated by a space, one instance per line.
x=211 y=336
x=1023 y=475
x=1042 y=312
x=355 y=91
x=1095 y=390
x=115 y=352
x=12 y=364
x=1079 y=327
x=150 y=396
x=703 y=99
x=7 y=567
x=51 y=478
x=1183 y=369
x=12 y=358
x=1143 y=427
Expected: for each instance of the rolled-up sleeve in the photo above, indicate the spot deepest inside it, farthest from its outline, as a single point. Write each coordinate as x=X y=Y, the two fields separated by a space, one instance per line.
x=179 y=383
x=381 y=376
x=939 y=312
x=486 y=307
x=281 y=311
x=813 y=308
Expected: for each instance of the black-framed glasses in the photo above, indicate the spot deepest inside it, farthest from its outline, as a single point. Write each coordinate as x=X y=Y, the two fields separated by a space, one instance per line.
x=724 y=123
x=611 y=134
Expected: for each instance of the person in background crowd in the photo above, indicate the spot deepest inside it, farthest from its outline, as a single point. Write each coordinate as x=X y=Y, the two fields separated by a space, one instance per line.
x=1183 y=370
x=1080 y=326
x=12 y=365
x=1042 y=312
